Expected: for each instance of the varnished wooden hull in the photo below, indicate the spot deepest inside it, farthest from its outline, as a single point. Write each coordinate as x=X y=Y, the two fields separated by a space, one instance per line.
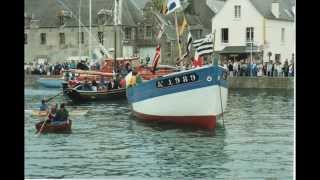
x=49 y=128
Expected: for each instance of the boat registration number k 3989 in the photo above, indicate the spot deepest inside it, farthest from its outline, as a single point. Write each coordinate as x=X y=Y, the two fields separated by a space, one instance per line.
x=182 y=79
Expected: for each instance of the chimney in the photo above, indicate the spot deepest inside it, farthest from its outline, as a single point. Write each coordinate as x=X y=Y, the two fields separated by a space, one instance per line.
x=275 y=8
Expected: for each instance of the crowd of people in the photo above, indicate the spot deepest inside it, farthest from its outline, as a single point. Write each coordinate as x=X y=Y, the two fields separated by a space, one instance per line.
x=103 y=85
x=57 y=68
x=270 y=69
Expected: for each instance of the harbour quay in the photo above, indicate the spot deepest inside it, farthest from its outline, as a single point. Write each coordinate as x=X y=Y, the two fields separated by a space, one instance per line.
x=240 y=82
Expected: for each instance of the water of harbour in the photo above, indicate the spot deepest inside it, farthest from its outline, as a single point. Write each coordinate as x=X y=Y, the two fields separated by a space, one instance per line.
x=107 y=142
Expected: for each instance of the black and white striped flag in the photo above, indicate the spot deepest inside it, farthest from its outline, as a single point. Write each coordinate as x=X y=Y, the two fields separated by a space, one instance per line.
x=204 y=46
x=189 y=43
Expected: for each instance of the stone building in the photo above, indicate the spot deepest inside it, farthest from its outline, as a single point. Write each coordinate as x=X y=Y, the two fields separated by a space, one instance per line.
x=52 y=28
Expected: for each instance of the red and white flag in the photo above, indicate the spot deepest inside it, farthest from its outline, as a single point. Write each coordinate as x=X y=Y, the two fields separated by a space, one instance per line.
x=197 y=61
x=156 y=59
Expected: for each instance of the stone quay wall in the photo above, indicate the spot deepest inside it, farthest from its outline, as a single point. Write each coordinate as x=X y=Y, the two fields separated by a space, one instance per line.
x=234 y=82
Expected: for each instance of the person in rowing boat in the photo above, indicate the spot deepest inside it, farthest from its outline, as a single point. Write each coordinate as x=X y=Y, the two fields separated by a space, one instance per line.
x=94 y=85
x=86 y=85
x=61 y=116
x=53 y=111
x=43 y=106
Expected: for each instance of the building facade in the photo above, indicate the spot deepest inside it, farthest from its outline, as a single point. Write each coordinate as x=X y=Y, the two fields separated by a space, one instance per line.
x=264 y=29
x=52 y=28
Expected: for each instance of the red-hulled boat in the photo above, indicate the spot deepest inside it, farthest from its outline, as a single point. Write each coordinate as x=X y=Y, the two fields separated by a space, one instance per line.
x=64 y=128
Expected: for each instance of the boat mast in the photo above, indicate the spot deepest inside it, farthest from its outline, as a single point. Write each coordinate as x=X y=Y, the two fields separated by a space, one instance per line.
x=115 y=34
x=79 y=37
x=90 y=29
x=177 y=31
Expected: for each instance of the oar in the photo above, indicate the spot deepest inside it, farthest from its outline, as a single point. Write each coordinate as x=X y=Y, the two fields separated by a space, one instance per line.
x=49 y=99
x=38 y=134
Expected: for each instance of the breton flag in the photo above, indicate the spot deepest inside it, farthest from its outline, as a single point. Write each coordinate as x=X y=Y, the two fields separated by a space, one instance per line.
x=156 y=59
x=172 y=5
x=204 y=46
x=189 y=41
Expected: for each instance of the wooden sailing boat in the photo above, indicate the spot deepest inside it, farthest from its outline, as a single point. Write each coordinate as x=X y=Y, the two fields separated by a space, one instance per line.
x=195 y=97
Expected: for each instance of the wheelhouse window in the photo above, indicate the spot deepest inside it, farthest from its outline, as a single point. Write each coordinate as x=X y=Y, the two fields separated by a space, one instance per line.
x=237 y=11
x=62 y=38
x=224 y=35
x=100 y=37
x=43 y=38
x=250 y=34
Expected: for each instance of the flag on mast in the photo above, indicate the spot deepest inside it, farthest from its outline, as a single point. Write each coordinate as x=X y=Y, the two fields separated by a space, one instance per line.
x=204 y=46
x=189 y=42
x=164 y=8
x=156 y=59
x=172 y=5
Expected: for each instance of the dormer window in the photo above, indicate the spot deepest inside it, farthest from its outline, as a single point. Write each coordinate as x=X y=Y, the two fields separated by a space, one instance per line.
x=103 y=16
x=63 y=15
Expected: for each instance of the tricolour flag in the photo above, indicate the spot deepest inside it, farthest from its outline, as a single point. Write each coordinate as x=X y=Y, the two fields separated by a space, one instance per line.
x=156 y=59
x=172 y=5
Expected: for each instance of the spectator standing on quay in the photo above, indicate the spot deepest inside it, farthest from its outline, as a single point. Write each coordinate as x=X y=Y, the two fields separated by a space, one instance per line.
x=269 y=68
x=275 y=69
x=286 y=68
x=254 y=69
x=236 y=68
x=230 y=68
x=264 y=69
x=291 y=69
x=243 y=68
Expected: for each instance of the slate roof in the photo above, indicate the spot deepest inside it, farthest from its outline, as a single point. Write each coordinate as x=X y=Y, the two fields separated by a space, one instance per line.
x=285 y=6
x=47 y=10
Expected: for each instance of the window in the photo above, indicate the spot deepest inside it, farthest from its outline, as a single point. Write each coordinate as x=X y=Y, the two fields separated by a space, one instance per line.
x=25 y=38
x=82 y=38
x=224 y=35
x=249 y=34
x=61 y=20
x=100 y=37
x=62 y=38
x=237 y=11
x=282 y=35
x=127 y=33
x=43 y=38
x=148 y=31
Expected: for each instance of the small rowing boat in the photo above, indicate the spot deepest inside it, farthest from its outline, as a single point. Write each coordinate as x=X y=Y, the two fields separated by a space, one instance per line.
x=48 y=127
x=45 y=113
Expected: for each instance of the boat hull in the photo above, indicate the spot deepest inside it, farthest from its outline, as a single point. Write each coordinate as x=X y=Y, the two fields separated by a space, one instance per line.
x=195 y=103
x=51 y=82
x=89 y=96
x=49 y=128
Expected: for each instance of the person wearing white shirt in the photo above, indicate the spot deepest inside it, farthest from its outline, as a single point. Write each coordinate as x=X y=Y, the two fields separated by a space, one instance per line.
x=235 y=68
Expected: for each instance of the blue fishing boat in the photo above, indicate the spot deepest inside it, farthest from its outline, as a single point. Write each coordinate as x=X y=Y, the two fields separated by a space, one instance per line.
x=195 y=97
x=51 y=82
